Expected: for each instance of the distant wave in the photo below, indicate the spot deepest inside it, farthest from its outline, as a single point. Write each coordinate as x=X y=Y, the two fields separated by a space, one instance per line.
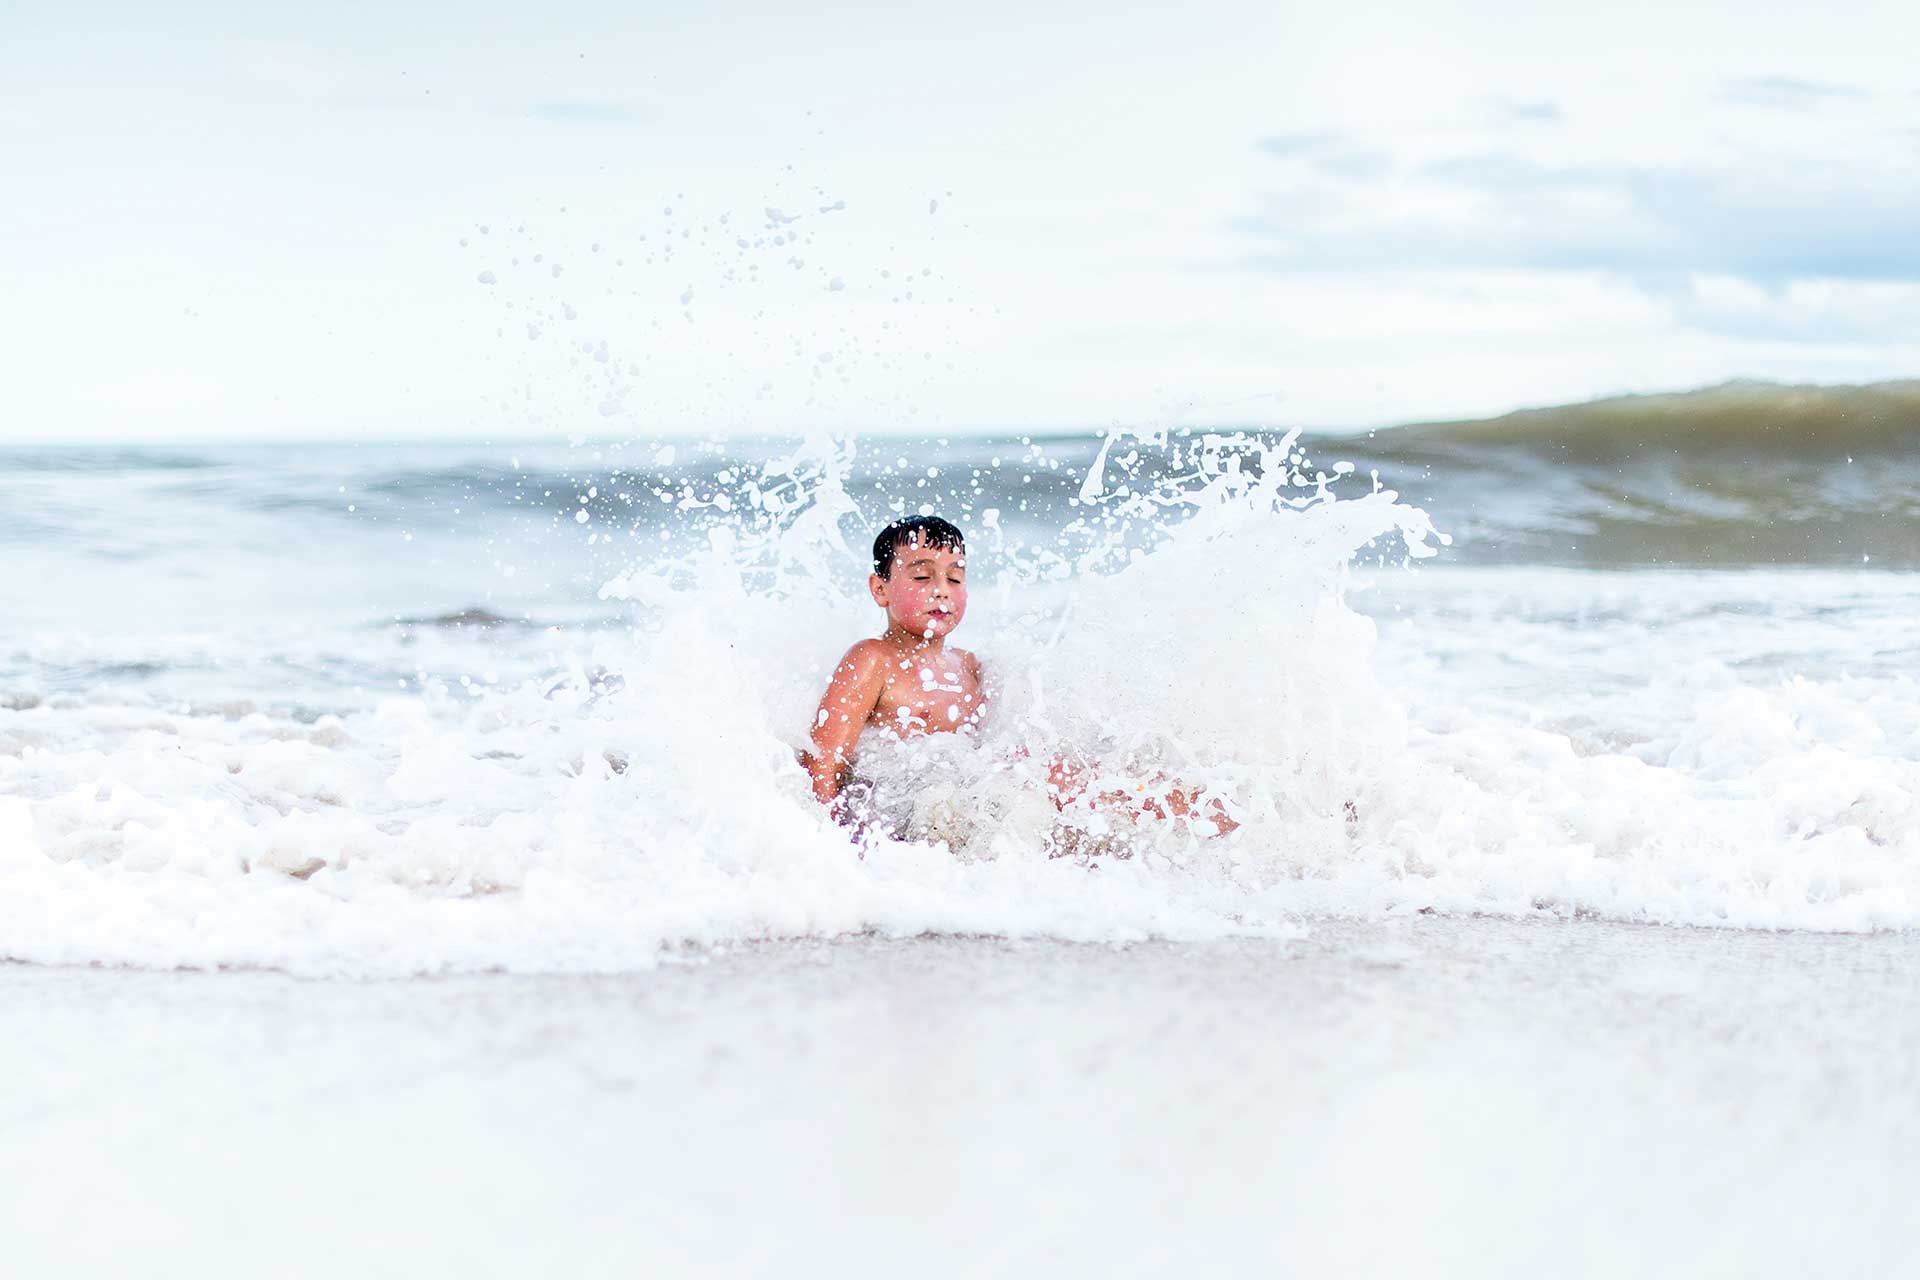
x=1737 y=475
x=109 y=459
x=1746 y=474
x=478 y=617
x=1747 y=416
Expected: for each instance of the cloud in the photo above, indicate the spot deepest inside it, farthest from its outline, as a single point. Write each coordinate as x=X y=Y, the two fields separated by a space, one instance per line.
x=1827 y=311
x=1293 y=144
x=584 y=111
x=1786 y=92
x=1542 y=110
x=294 y=67
x=1769 y=222
x=1330 y=153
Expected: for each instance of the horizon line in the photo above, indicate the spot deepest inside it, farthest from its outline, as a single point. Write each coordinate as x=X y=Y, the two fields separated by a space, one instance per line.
x=976 y=432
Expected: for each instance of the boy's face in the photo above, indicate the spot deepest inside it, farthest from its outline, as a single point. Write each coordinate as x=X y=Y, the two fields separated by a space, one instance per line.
x=927 y=594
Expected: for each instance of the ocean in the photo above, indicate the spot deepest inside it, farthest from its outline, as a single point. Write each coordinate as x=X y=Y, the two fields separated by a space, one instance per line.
x=404 y=865
x=396 y=709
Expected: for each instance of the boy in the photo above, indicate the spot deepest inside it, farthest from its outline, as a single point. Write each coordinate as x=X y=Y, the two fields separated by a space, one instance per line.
x=907 y=680
x=910 y=682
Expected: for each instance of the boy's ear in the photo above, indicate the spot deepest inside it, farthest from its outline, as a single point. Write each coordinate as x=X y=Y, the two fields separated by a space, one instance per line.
x=877 y=587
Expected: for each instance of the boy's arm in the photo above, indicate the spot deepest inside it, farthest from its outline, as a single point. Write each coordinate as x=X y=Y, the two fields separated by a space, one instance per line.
x=851 y=697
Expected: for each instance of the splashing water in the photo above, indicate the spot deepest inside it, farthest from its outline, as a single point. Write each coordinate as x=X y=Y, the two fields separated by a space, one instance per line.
x=605 y=793
x=1188 y=635
x=650 y=797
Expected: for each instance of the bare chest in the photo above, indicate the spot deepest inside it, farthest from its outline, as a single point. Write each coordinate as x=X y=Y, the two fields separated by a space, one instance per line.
x=937 y=696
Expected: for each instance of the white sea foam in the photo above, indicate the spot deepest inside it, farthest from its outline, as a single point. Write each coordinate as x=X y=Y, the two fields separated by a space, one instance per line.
x=1195 y=635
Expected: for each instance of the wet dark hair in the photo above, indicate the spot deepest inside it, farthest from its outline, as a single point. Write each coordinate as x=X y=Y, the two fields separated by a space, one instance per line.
x=914 y=531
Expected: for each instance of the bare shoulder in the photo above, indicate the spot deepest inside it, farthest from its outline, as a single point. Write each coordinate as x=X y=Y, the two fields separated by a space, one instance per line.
x=856 y=685
x=865 y=656
x=861 y=673
x=970 y=661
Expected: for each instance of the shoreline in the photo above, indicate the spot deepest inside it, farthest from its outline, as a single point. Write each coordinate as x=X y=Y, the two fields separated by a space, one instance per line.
x=700 y=953
x=1431 y=1094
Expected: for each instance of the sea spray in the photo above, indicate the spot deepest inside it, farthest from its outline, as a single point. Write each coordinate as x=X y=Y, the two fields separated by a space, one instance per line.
x=1187 y=635
x=469 y=781
x=649 y=797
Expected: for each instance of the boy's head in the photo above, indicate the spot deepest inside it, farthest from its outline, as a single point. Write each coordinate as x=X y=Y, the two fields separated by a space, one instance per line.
x=914 y=533
x=920 y=575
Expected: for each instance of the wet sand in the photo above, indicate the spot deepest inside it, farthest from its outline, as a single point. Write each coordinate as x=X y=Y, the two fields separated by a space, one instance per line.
x=1428 y=1096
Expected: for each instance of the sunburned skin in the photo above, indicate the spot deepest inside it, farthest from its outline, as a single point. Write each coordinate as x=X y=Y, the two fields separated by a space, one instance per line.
x=908 y=680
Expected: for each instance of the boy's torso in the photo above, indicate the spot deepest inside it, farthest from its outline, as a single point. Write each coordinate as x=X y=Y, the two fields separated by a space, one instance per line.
x=930 y=693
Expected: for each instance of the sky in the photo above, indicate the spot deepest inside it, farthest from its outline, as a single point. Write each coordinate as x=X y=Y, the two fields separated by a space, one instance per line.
x=501 y=221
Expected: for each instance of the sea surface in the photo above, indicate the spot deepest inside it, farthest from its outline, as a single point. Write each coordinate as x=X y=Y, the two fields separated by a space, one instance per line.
x=403 y=709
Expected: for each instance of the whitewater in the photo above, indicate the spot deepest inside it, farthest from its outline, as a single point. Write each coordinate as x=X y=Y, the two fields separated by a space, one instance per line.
x=441 y=709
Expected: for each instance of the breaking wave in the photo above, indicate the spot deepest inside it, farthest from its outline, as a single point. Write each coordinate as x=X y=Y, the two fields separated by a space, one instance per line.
x=467 y=794
x=1742 y=475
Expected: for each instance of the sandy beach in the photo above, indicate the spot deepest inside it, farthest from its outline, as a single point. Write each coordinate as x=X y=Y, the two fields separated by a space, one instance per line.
x=1427 y=1096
